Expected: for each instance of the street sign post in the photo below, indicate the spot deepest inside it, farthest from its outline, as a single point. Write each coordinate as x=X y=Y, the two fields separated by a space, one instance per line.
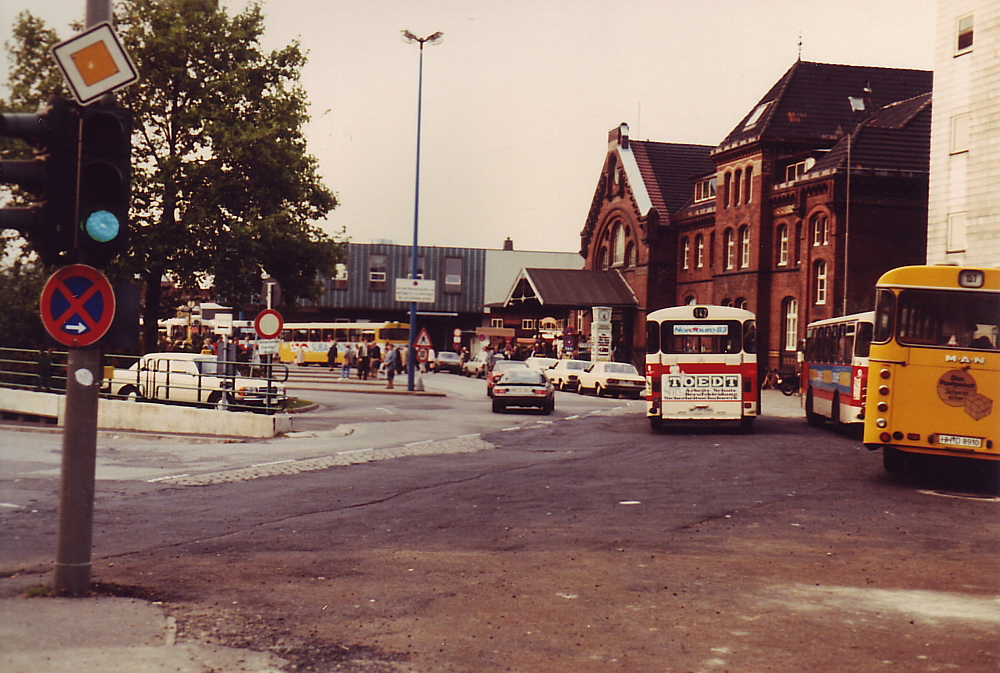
x=268 y=324
x=94 y=63
x=77 y=305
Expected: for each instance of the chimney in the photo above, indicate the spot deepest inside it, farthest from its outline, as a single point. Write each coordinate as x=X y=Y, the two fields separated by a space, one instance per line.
x=618 y=137
x=508 y=244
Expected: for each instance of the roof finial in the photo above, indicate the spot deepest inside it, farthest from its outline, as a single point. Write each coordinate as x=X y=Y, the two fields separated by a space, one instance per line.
x=800 y=45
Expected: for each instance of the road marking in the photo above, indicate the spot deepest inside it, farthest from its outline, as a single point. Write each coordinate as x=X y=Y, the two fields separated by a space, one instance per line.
x=273 y=462
x=425 y=441
x=474 y=434
x=344 y=453
x=10 y=504
x=571 y=418
x=518 y=427
x=962 y=496
x=176 y=476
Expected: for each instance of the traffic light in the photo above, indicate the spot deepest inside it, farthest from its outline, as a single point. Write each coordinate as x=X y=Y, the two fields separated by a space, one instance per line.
x=105 y=182
x=50 y=178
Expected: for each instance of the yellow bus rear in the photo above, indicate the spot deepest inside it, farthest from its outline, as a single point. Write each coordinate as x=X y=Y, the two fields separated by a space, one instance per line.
x=934 y=367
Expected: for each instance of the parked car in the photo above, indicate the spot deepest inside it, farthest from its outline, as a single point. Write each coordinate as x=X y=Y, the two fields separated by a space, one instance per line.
x=540 y=363
x=614 y=378
x=193 y=378
x=523 y=387
x=477 y=365
x=448 y=362
x=565 y=373
x=499 y=369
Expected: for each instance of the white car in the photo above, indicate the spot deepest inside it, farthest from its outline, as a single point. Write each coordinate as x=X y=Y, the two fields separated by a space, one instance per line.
x=193 y=378
x=614 y=378
x=541 y=363
x=565 y=372
x=477 y=365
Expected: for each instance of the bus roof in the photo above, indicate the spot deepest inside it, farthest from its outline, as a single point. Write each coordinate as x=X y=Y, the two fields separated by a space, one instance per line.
x=937 y=276
x=687 y=312
x=864 y=316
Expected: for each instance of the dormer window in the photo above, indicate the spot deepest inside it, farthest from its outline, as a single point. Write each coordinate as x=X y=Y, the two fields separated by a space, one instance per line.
x=756 y=115
x=795 y=171
x=704 y=190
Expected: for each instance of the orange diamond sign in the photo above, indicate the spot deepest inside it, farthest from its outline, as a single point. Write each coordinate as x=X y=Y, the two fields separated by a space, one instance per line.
x=94 y=63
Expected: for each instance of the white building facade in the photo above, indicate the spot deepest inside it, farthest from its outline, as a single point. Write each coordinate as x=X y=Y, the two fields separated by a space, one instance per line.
x=964 y=193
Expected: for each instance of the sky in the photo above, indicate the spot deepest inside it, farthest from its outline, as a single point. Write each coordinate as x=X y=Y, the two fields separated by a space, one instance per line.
x=519 y=96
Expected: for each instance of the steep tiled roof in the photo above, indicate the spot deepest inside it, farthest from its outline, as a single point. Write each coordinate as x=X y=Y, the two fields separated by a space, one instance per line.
x=667 y=170
x=812 y=103
x=572 y=287
x=895 y=138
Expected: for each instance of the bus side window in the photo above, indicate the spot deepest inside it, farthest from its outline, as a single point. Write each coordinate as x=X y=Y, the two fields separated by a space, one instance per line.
x=750 y=336
x=885 y=309
x=652 y=337
x=863 y=343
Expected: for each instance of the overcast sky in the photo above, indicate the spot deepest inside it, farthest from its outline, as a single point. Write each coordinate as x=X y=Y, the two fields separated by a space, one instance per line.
x=519 y=96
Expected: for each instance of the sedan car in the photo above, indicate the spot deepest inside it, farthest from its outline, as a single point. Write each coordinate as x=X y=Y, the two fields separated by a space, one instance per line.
x=614 y=378
x=523 y=387
x=499 y=369
x=448 y=362
x=477 y=365
x=565 y=372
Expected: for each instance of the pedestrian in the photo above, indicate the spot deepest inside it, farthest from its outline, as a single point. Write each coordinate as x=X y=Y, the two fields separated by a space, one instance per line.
x=43 y=369
x=300 y=355
x=391 y=362
x=331 y=355
x=364 y=361
x=375 y=354
x=345 y=368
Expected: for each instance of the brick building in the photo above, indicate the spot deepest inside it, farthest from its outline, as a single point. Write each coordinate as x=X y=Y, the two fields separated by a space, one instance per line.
x=816 y=192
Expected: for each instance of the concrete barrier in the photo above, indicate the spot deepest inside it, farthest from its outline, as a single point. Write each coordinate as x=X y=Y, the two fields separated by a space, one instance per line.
x=150 y=417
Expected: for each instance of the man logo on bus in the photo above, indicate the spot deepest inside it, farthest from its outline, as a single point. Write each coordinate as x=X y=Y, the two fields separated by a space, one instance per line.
x=957 y=388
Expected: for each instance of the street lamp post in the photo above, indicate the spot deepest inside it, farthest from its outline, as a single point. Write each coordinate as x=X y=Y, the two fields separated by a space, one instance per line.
x=411 y=360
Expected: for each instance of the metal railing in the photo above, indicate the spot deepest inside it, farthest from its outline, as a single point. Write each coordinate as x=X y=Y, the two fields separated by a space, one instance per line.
x=29 y=369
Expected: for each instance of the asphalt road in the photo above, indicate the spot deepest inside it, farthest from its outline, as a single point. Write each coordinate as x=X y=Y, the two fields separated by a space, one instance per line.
x=576 y=542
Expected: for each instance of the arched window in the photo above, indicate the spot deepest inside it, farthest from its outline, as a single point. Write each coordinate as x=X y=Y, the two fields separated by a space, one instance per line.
x=602 y=259
x=747 y=183
x=737 y=187
x=783 y=245
x=618 y=245
x=820 y=229
x=819 y=282
x=797 y=243
x=744 y=247
x=685 y=253
x=630 y=255
x=727 y=182
x=729 y=244
x=740 y=302
x=791 y=312
x=699 y=251
x=690 y=300
x=725 y=302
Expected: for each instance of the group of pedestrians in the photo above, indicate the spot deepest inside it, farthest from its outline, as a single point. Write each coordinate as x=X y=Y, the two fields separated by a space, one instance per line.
x=367 y=358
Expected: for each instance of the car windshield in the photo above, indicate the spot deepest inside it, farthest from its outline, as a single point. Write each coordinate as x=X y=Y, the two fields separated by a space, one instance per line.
x=509 y=364
x=577 y=364
x=526 y=376
x=447 y=356
x=620 y=368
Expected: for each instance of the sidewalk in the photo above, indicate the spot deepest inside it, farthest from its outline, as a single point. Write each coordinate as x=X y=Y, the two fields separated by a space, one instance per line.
x=107 y=635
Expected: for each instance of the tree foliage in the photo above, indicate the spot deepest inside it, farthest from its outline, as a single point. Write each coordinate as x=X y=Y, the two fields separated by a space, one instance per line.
x=224 y=189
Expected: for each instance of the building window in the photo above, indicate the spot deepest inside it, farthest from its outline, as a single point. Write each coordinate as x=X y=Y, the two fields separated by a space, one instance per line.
x=747 y=184
x=819 y=282
x=960 y=133
x=340 y=277
x=820 y=230
x=737 y=189
x=727 y=182
x=740 y=302
x=756 y=115
x=699 y=251
x=690 y=300
x=795 y=171
x=726 y=302
x=376 y=272
x=797 y=243
x=496 y=322
x=729 y=244
x=791 y=324
x=956 y=232
x=528 y=324
x=630 y=256
x=685 y=253
x=744 y=247
x=783 y=245
x=618 y=245
x=965 y=33
x=704 y=190
x=857 y=103
x=602 y=259
x=421 y=265
x=453 y=275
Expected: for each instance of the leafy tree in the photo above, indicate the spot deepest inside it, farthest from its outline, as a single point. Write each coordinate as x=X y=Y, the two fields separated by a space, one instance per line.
x=223 y=189
x=21 y=284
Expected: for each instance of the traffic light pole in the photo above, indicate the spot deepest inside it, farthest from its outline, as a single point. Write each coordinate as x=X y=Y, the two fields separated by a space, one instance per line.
x=74 y=538
x=79 y=460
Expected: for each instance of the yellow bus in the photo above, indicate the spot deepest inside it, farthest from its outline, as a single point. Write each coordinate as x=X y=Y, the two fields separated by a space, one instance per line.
x=934 y=365
x=317 y=338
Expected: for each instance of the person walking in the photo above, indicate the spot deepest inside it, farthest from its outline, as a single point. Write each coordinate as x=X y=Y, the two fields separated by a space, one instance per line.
x=345 y=369
x=375 y=354
x=364 y=361
x=331 y=355
x=391 y=362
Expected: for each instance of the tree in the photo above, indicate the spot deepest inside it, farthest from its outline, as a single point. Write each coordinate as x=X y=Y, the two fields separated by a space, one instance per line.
x=223 y=189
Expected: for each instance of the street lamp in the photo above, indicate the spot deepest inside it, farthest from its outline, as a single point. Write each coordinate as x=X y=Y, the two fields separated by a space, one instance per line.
x=434 y=38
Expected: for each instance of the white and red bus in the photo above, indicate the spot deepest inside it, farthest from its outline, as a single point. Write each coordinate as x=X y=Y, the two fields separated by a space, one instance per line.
x=701 y=366
x=835 y=369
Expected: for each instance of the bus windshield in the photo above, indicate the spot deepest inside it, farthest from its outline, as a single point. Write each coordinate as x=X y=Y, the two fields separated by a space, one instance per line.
x=969 y=320
x=719 y=336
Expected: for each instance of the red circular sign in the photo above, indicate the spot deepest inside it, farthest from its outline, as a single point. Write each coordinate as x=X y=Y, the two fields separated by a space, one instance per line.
x=77 y=305
x=423 y=353
x=268 y=324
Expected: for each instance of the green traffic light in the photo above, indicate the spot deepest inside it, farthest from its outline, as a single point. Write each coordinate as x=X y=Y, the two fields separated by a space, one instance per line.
x=102 y=226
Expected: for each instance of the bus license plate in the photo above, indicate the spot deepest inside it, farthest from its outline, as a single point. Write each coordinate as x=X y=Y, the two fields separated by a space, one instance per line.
x=957 y=440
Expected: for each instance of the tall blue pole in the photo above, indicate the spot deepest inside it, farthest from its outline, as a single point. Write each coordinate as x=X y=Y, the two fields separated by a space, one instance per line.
x=411 y=360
